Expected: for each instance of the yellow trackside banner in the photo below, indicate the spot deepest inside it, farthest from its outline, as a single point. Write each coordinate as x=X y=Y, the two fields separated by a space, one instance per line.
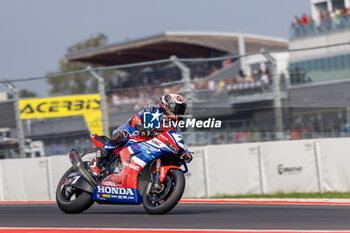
x=63 y=106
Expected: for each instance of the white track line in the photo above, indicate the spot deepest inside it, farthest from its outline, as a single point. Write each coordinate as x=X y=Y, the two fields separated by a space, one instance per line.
x=162 y=230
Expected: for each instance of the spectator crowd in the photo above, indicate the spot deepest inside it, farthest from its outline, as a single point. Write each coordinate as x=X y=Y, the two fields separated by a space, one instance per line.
x=146 y=88
x=328 y=20
x=145 y=85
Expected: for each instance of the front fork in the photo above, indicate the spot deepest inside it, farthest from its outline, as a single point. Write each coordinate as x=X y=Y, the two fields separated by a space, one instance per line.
x=159 y=177
x=156 y=182
x=157 y=186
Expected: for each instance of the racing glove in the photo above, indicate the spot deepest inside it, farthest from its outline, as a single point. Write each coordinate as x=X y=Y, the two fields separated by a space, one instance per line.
x=145 y=132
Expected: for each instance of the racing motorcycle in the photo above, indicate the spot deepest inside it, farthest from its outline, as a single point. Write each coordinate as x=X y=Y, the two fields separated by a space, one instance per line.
x=145 y=170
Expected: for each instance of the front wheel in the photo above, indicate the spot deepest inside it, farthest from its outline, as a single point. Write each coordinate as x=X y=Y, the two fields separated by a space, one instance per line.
x=71 y=199
x=162 y=201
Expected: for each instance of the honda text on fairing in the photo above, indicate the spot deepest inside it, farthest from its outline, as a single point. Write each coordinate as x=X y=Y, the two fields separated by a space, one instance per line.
x=145 y=170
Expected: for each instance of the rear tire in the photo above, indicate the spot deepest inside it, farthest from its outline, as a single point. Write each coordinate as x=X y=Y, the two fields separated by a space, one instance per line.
x=83 y=200
x=177 y=188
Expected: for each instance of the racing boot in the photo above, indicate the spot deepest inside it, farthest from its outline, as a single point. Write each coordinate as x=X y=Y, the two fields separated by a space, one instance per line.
x=116 y=140
x=95 y=163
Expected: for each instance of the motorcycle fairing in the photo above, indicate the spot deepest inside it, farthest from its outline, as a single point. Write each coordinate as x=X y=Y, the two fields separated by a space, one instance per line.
x=98 y=140
x=122 y=187
x=163 y=170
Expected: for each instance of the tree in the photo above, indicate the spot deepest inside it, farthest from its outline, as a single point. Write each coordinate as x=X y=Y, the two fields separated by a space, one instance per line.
x=25 y=93
x=81 y=82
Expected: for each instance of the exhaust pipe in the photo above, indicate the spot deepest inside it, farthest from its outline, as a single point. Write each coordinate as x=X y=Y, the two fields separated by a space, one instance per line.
x=79 y=166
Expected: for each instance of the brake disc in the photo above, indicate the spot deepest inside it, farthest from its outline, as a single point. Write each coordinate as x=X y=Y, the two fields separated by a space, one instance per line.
x=158 y=196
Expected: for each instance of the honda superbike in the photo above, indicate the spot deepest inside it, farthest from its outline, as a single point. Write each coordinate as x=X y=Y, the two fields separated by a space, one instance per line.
x=143 y=171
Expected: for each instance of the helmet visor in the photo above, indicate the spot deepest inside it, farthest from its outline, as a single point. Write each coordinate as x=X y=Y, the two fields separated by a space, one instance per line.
x=179 y=109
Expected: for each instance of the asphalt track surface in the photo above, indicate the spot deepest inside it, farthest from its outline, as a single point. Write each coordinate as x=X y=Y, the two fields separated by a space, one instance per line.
x=184 y=216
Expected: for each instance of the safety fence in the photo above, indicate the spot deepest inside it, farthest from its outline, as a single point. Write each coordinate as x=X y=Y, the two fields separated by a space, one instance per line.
x=254 y=88
x=251 y=168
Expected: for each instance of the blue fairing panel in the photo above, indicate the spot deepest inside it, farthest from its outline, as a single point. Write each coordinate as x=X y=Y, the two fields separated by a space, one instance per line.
x=116 y=195
x=147 y=151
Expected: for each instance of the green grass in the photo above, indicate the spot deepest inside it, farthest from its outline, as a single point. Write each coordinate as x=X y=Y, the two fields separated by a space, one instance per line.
x=290 y=195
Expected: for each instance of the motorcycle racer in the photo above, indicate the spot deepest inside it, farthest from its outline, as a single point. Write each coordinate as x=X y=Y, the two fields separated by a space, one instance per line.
x=171 y=107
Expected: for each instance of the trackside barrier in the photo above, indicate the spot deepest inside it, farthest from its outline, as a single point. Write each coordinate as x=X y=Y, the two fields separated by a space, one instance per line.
x=251 y=168
x=233 y=169
x=25 y=179
x=196 y=177
x=289 y=166
x=2 y=185
x=58 y=166
x=334 y=157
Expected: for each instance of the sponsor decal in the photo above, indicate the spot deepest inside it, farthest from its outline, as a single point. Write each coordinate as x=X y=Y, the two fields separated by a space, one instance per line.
x=157 y=142
x=115 y=194
x=63 y=106
x=59 y=106
x=73 y=174
x=115 y=190
x=132 y=166
x=162 y=173
x=171 y=147
x=108 y=183
x=282 y=170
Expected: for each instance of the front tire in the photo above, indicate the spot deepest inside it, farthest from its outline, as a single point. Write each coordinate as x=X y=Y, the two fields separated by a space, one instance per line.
x=174 y=186
x=70 y=199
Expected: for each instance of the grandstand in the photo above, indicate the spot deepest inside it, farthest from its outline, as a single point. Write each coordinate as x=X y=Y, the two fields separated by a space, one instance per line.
x=321 y=77
x=125 y=98
x=186 y=45
x=237 y=91
x=328 y=24
x=181 y=44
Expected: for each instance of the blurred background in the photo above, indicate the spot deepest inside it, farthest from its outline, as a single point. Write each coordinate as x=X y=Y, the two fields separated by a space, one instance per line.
x=270 y=70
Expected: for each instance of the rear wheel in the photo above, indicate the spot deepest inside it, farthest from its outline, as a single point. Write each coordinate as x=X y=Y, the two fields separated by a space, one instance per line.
x=162 y=201
x=71 y=199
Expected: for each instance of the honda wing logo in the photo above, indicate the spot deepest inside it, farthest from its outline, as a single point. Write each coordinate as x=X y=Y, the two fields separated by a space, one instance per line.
x=151 y=120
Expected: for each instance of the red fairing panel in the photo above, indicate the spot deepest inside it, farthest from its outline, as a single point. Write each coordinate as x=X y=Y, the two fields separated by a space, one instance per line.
x=164 y=170
x=96 y=142
x=137 y=138
x=128 y=177
x=136 y=120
